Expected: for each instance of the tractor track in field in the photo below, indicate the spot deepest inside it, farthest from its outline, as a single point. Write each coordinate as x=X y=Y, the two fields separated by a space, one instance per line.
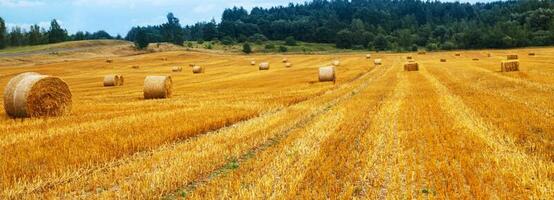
x=306 y=119
x=45 y=186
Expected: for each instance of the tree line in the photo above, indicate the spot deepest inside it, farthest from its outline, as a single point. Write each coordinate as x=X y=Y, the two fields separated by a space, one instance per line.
x=399 y=25
x=35 y=35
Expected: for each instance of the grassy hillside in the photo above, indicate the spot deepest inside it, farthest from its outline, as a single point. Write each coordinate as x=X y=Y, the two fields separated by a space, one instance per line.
x=62 y=45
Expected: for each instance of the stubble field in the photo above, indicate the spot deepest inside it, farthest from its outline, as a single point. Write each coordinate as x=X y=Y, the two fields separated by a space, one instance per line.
x=456 y=130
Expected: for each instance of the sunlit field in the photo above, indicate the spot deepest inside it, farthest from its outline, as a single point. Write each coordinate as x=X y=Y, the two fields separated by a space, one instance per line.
x=459 y=129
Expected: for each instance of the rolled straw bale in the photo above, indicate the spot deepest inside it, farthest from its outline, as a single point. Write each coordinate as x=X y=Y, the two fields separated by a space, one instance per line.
x=422 y=52
x=285 y=60
x=121 y=80
x=512 y=57
x=197 y=69
x=111 y=80
x=411 y=67
x=264 y=66
x=158 y=87
x=489 y=55
x=164 y=59
x=336 y=63
x=135 y=67
x=378 y=61
x=109 y=61
x=531 y=54
x=409 y=57
x=288 y=65
x=252 y=63
x=443 y=60
x=509 y=65
x=368 y=56
x=457 y=54
x=327 y=74
x=475 y=59
x=192 y=65
x=176 y=69
x=35 y=95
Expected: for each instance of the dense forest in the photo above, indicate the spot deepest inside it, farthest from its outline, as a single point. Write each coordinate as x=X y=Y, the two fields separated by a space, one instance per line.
x=398 y=25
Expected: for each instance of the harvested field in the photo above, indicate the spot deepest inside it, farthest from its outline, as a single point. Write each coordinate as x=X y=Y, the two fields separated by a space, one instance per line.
x=461 y=130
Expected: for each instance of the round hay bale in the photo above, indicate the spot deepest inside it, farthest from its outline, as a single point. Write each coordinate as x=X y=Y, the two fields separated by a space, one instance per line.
x=192 y=65
x=457 y=54
x=422 y=53
x=109 y=61
x=135 y=67
x=176 y=69
x=368 y=56
x=285 y=60
x=264 y=66
x=443 y=60
x=121 y=80
x=288 y=65
x=327 y=74
x=409 y=57
x=378 y=61
x=512 y=57
x=531 y=54
x=336 y=63
x=252 y=63
x=476 y=59
x=35 y=95
x=158 y=87
x=111 y=80
x=197 y=69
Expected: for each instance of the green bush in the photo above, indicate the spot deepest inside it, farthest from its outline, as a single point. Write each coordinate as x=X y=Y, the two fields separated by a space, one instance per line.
x=269 y=46
x=290 y=41
x=246 y=48
x=283 y=49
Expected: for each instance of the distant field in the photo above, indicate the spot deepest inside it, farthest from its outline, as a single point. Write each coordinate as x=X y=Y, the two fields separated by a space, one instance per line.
x=61 y=46
x=454 y=130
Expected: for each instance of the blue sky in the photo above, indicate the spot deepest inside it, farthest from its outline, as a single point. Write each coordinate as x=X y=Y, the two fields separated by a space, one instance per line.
x=118 y=16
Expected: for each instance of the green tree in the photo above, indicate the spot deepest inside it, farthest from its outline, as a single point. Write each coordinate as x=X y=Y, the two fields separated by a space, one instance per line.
x=34 y=35
x=246 y=48
x=141 y=40
x=344 y=39
x=56 y=33
x=3 y=41
x=381 y=43
x=283 y=49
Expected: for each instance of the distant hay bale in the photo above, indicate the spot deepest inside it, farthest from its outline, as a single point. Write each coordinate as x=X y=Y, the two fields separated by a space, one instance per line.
x=135 y=67
x=109 y=61
x=197 y=69
x=177 y=69
x=327 y=74
x=378 y=61
x=409 y=57
x=509 y=66
x=411 y=66
x=121 y=80
x=531 y=54
x=422 y=53
x=112 y=80
x=252 y=63
x=368 y=56
x=512 y=57
x=457 y=54
x=489 y=55
x=158 y=87
x=336 y=63
x=164 y=59
x=34 y=95
x=264 y=66
x=192 y=65
x=475 y=59
x=443 y=60
x=288 y=65
x=285 y=60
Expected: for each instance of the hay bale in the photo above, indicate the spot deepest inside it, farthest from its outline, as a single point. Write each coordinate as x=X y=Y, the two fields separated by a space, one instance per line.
x=378 y=61
x=422 y=53
x=192 y=65
x=489 y=55
x=512 y=57
x=475 y=59
x=285 y=60
x=368 y=56
x=288 y=65
x=121 y=80
x=336 y=63
x=158 y=87
x=176 y=69
x=509 y=66
x=35 y=95
x=109 y=61
x=411 y=66
x=531 y=54
x=197 y=69
x=164 y=59
x=112 y=80
x=327 y=74
x=135 y=67
x=264 y=66
x=253 y=63
x=409 y=57
x=457 y=54
x=443 y=60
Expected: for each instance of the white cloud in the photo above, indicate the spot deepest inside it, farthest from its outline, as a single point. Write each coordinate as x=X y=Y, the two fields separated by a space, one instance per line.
x=20 y=3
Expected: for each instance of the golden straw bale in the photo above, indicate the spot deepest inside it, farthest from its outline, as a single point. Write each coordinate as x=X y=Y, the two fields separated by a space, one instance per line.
x=264 y=66
x=457 y=54
x=176 y=69
x=475 y=59
x=158 y=87
x=109 y=61
x=285 y=60
x=531 y=54
x=443 y=60
x=378 y=61
x=512 y=57
x=35 y=95
x=422 y=52
x=197 y=69
x=509 y=66
x=135 y=67
x=368 y=56
x=409 y=57
x=288 y=65
x=327 y=74
x=253 y=63
x=111 y=80
x=411 y=66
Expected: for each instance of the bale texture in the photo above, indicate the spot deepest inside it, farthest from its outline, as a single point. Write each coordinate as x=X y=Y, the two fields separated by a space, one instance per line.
x=121 y=80
x=509 y=66
x=197 y=69
x=176 y=69
x=111 y=80
x=378 y=61
x=264 y=66
x=512 y=57
x=35 y=95
x=327 y=74
x=411 y=66
x=158 y=87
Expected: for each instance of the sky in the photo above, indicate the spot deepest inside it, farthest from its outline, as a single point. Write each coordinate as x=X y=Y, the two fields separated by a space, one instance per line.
x=118 y=16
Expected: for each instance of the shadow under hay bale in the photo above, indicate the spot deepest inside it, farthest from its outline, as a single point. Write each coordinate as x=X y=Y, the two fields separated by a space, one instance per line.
x=411 y=66
x=264 y=66
x=158 y=87
x=327 y=74
x=34 y=95
x=509 y=66
x=422 y=53
x=113 y=80
x=197 y=69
